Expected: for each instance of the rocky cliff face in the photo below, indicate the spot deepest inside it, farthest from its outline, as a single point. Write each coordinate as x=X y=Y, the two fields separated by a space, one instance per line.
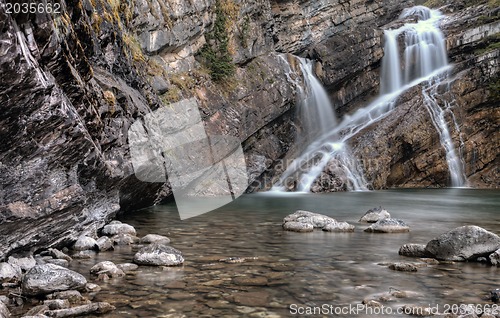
x=73 y=83
x=404 y=150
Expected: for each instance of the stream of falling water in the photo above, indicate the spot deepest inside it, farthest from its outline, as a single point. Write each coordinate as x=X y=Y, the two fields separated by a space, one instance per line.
x=425 y=61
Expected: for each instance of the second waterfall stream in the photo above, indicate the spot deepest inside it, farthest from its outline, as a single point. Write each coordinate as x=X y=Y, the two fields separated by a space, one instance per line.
x=423 y=60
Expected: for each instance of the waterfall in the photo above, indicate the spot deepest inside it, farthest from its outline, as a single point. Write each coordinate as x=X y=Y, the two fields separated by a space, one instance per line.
x=424 y=60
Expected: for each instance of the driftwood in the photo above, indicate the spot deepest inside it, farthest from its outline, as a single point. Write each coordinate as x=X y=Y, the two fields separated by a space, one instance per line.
x=93 y=308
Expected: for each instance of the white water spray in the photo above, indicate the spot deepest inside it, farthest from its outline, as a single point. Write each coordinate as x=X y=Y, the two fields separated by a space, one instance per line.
x=425 y=60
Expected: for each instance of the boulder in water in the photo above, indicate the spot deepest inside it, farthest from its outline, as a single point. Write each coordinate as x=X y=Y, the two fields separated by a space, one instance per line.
x=388 y=226
x=108 y=268
x=48 y=278
x=85 y=243
x=315 y=219
x=116 y=227
x=158 y=255
x=464 y=243
x=104 y=243
x=154 y=238
x=414 y=250
x=298 y=227
x=374 y=215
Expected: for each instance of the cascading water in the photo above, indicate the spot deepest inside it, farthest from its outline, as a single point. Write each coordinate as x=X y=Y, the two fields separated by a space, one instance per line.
x=424 y=60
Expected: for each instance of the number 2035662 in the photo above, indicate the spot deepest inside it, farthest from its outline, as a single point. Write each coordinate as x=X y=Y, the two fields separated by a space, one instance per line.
x=31 y=7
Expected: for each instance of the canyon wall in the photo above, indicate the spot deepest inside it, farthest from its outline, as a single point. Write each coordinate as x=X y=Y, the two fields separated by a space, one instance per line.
x=74 y=82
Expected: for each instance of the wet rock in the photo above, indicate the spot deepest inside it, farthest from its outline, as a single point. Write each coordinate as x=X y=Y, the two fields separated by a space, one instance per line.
x=298 y=227
x=83 y=255
x=158 y=255
x=38 y=311
x=339 y=227
x=73 y=296
x=388 y=226
x=127 y=267
x=56 y=303
x=92 y=288
x=88 y=309
x=25 y=263
x=55 y=253
x=154 y=238
x=403 y=267
x=414 y=250
x=250 y=281
x=108 y=268
x=463 y=244
x=9 y=273
x=495 y=295
x=116 y=227
x=374 y=215
x=55 y=261
x=104 y=243
x=124 y=239
x=85 y=243
x=4 y=311
x=315 y=219
x=48 y=278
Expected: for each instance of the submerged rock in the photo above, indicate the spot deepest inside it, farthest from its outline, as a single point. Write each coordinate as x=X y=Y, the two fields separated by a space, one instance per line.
x=414 y=250
x=85 y=243
x=154 y=238
x=48 y=278
x=116 y=227
x=124 y=239
x=374 y=215
x=403 y=267
x=108 y=268
x=55 y=253
x=463 y=244
x=159 y=255
x=388 y=226
x=127 y=267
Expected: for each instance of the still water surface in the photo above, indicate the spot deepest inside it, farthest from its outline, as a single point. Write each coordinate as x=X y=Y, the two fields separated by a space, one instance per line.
x=305 y=269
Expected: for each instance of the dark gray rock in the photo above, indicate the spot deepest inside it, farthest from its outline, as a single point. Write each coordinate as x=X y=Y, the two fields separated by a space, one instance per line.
x=414 y=250
x=463 y=244
x=495 y=295
x=160 y=85
x=375 y=214
x=85 y=243
x=117 y=227
x=388 y=226
x=158 y=254
x=56 y=303
x=108 y=268
x=48 y=278
x=403 y=267
x=495 y=257
x=154 y=238
x=104 y=243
